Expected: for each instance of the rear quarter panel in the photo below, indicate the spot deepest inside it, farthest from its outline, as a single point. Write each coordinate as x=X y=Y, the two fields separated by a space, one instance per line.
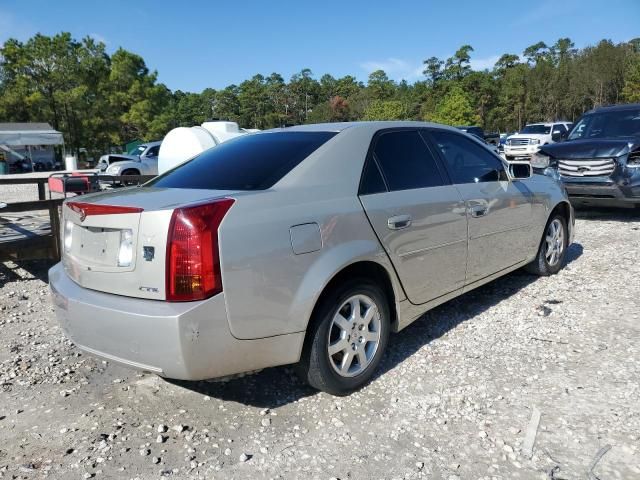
x=547 y=195
x=269 y=290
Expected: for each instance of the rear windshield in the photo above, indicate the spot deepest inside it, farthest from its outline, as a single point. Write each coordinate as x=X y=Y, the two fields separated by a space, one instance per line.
x=251 y=162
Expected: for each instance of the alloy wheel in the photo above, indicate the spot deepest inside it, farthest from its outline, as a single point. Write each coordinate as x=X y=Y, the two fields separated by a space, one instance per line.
x=354 y=335
x=554 y=242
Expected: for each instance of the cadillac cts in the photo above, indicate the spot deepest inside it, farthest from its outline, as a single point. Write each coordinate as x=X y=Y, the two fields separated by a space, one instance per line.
x=304 y=245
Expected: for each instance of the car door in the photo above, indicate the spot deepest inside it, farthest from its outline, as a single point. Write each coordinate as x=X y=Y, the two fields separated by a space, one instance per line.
x=418 y=216
x=499 y=211
x=150 y=160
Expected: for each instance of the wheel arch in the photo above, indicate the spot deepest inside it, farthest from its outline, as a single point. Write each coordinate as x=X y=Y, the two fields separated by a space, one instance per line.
x=566 y=210
x=364 y=269
x=130 y=168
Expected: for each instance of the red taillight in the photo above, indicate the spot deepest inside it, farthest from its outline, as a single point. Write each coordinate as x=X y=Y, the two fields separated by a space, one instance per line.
x=88 y=209
x=193 y=260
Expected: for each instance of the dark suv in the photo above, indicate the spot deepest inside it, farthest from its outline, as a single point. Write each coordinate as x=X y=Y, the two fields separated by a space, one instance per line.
x=599 y=163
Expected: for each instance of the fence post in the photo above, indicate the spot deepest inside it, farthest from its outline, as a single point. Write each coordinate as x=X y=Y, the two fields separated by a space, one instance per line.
x=41 y=191
x=54 y=218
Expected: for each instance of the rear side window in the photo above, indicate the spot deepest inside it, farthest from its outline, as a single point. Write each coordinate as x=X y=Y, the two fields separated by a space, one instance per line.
x=251 y=162
x=406 y=161
x=372 y=181
x=467 y=161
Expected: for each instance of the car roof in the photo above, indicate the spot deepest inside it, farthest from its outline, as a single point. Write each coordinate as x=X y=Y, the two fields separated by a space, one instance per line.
x=370 y=125
x=547 y=124
x=615 y=108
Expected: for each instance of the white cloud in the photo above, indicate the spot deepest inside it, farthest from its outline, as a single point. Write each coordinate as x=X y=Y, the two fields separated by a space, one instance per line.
x=400 y=69
x=99 y=38
x=395 y=68
x=484 y=63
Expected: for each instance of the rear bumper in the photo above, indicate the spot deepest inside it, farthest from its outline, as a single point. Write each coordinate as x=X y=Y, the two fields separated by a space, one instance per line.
x=187 y=341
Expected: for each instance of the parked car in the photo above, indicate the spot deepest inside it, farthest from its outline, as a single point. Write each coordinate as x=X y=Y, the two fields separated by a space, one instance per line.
x=142 y=160
x=479 y=133
x=503 y=141
x=304 y=245
x=534 y=136
x=599 y=163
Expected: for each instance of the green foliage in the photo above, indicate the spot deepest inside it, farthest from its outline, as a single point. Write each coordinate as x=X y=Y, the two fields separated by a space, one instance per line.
x=385 y=110
x=455 y=109
x=99 y=100
x=631 y=89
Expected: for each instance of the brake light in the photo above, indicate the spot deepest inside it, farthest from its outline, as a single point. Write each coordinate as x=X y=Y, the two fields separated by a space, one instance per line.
x=88 y=209
x=193 y=259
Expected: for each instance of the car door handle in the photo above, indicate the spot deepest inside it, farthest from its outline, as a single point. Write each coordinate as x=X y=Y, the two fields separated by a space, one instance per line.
x=478 y=210
x=399 y=222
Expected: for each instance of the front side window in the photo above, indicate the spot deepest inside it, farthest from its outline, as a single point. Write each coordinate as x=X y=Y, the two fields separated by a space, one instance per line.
x=153 y=151
x=467 y=161
x=406 y=161
x=250 y=162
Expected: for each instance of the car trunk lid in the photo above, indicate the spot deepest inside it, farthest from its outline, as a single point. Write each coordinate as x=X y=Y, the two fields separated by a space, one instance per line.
x=116 y=242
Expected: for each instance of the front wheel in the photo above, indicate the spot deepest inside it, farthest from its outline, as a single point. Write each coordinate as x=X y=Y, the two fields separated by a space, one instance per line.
x=348 y=335
x=130 y=172
x=553 y=248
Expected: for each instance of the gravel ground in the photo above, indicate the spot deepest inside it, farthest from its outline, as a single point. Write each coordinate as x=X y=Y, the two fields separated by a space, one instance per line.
x=457 y=398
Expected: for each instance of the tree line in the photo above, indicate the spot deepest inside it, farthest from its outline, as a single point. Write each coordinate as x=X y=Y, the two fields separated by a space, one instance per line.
x=99 y=100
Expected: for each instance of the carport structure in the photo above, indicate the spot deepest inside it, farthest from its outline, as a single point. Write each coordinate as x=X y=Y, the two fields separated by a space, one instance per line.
x=14 y=136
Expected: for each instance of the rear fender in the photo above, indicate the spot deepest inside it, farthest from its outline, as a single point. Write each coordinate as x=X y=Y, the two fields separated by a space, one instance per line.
x=330 y=264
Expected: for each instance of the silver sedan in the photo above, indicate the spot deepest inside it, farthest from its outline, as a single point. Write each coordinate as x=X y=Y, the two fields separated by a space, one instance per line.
x=305 y=245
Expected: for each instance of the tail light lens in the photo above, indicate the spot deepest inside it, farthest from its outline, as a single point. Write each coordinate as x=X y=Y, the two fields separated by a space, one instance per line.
x=193 y=259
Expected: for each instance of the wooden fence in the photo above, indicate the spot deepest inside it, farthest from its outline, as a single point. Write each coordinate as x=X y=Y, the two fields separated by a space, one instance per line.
x=42 y=242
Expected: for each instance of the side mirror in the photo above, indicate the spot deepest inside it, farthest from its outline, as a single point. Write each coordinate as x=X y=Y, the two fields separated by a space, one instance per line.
x=556 y=135
x=520 y=170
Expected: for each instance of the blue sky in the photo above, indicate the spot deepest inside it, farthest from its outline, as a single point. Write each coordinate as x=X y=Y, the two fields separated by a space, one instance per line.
x=199 y=44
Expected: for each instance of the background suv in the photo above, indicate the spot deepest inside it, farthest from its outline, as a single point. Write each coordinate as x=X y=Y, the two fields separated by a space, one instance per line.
x=142 y=160
x=529 y=140
x=599 y=163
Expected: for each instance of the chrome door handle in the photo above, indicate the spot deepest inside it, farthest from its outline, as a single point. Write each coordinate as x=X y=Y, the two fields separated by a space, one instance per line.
x=478 y=210
x=399 y=222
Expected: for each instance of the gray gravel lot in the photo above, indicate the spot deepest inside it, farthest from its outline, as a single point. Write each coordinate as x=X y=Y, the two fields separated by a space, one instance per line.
x=455 y=398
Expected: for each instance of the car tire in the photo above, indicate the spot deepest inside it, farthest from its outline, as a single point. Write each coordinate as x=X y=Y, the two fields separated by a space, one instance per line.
x=130 y=172
x=552 y=252
x=344 y=347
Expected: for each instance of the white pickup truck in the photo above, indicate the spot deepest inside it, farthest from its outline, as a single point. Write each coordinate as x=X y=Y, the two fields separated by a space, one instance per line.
x=529 y=140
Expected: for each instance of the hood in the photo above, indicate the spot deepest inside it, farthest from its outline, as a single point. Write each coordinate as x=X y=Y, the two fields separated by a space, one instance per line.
x=591 y=148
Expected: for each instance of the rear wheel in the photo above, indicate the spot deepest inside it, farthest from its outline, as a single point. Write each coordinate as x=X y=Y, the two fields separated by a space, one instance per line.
x=553 y=248
x=347 y=338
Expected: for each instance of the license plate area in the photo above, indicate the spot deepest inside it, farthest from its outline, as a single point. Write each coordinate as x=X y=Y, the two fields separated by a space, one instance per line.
x=97 y=249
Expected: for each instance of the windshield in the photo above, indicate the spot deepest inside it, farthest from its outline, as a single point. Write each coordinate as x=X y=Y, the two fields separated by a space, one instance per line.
x=137 y=150
x=251 y=162
x=537 y=129
x=621 y=123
